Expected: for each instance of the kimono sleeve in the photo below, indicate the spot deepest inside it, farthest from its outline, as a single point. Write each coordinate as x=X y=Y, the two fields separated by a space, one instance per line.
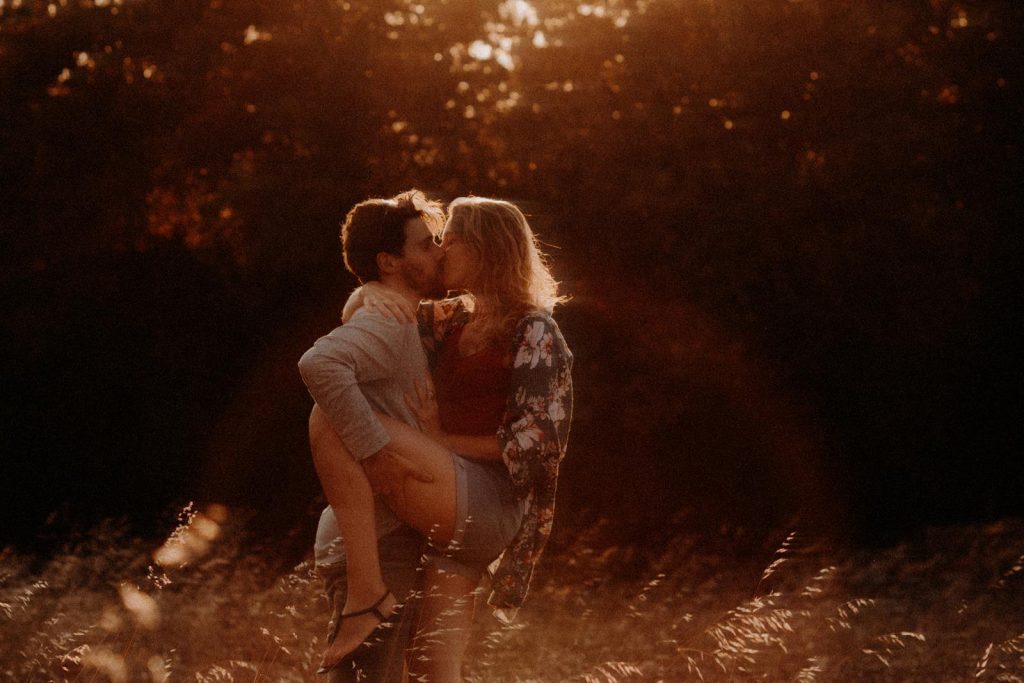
x=533 y=438
x=437 y=319
x=535 y=429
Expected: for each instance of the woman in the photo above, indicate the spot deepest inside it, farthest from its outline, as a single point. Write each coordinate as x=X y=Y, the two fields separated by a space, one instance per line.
x=501 y=368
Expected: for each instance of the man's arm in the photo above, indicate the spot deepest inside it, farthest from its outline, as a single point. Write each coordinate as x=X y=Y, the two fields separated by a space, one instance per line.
x=332 y=371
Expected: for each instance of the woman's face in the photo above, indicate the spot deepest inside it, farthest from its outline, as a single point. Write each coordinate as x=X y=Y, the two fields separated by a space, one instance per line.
x=461 y=262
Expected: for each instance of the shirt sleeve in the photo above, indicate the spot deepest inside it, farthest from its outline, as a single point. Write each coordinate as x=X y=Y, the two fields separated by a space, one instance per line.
x=363 y=350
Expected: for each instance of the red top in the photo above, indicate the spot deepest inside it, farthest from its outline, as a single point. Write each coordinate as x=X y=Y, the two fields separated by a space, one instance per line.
x=471 y=390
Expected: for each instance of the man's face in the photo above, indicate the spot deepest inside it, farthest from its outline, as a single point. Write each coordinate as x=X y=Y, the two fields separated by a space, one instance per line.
x=421 y=260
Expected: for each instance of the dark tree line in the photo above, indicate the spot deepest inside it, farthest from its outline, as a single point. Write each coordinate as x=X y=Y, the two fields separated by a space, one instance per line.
x=791 y=232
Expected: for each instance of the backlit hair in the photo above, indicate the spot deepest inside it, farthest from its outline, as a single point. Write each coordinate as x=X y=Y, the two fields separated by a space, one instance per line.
x=513 y=278
x=378 y=225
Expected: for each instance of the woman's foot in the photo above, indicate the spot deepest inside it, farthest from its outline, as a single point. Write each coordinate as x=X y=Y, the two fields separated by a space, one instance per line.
x=356 y=625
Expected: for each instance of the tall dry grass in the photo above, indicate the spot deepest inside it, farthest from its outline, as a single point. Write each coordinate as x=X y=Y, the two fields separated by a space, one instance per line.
x=208 y=605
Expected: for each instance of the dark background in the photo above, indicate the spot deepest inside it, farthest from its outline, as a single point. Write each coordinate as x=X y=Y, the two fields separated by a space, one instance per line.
x=791 y=231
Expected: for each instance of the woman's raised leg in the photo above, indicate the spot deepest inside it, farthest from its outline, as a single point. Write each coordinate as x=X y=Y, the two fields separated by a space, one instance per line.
x=426 y=503
x=348 y=491
x=427 y=506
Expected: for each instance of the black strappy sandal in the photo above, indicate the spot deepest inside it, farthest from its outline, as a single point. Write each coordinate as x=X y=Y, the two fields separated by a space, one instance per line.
x=383 y=622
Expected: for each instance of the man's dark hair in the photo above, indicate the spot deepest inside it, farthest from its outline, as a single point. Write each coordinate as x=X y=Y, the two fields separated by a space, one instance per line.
x=378 y=225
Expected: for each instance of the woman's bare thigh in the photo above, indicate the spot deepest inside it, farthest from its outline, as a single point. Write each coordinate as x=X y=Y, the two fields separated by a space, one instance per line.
x=428 y=507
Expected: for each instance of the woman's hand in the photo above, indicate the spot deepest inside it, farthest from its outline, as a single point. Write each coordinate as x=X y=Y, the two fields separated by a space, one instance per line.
x=424 y=406
x=377 y=297
x=388 y=302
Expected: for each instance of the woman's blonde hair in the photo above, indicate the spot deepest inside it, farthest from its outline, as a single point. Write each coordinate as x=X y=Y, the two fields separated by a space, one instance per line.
x=514 y=277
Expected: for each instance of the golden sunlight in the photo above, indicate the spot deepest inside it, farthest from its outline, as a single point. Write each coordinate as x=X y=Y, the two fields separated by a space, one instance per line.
x=192 y=538
x=142 y=607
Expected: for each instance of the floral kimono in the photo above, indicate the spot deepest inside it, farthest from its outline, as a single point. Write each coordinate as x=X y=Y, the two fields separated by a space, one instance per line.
x=532 y=435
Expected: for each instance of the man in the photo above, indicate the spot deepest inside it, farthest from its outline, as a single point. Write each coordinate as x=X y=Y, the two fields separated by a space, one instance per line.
x=372 y=363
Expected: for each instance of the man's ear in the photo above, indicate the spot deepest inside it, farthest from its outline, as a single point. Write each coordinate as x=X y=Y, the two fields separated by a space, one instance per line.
x=387 y=264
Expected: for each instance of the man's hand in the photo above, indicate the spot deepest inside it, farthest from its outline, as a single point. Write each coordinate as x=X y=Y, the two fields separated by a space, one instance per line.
x=387 y=472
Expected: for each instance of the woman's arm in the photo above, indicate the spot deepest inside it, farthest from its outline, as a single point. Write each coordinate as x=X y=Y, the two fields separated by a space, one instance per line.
x=533 y=437
x=473 y=447
x=535 y=427
x=424 y=405
x=352 y=304
x=376 y=296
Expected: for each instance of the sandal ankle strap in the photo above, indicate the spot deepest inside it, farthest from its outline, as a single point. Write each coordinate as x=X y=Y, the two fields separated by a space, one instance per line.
x=371 y=609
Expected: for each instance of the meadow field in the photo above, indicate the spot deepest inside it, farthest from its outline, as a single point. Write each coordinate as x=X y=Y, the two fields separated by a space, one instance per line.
x=213 y=603
x=790 y=230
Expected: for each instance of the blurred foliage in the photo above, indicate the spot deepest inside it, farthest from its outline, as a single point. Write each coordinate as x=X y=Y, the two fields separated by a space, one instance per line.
x=791 y=231
x=701 y=607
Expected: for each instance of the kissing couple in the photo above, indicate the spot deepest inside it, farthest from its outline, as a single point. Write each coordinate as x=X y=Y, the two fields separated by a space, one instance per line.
x=442 y=410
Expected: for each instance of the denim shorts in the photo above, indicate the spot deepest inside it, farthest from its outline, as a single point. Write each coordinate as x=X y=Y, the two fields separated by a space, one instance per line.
x=487 y=518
